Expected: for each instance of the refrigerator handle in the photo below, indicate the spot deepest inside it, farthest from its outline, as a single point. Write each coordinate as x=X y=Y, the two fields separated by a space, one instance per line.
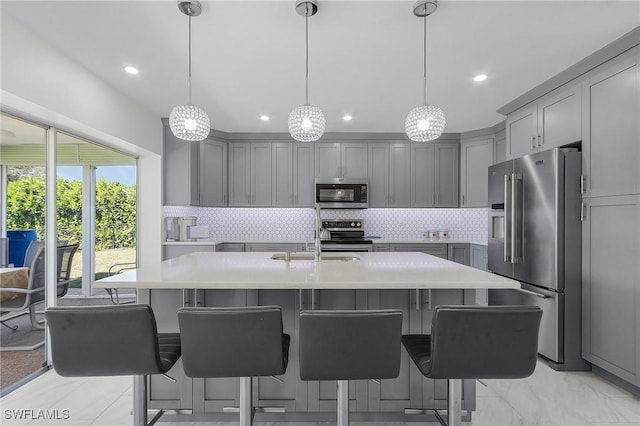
x=507 y=221
x=516 y=218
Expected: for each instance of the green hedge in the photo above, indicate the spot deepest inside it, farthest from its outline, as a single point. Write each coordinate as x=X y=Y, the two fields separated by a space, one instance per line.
x=115 y=210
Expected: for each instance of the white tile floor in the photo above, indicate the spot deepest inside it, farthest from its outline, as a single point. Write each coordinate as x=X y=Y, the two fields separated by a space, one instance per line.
x=546 y=398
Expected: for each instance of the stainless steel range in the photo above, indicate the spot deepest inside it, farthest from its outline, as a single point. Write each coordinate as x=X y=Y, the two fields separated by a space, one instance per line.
x=346 y=235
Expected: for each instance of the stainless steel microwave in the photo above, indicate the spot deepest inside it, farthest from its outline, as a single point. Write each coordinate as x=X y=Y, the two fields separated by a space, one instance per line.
x=340 y=193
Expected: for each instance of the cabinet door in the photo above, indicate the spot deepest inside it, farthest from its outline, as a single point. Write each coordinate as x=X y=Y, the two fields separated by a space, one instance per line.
x=475 y=158
x=175 y=250
x=288 y=390
x=560 y=118
x=282 y=182
x=500 y=147
x=460 y=253
x=239 y=174
x=422 y=175
x=328 y=157
x=213 y=173
x=522 y=131
x=379 y=175
x=611 y=285
x=394 y=395
x=612 y=130
x=479 y=257
x=163 y=393
x=261 y=174
x=303 y=185
x=322 y=394
x=436 y=249
x=180 y=171
x=447 y=164
x=271 y=247
x=354 y=160
x=400 y=175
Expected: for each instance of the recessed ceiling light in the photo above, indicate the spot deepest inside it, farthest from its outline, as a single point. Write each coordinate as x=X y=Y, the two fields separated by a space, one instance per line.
x=131 y=70
x=264 y=117
x=480 y=77
x=347 y=118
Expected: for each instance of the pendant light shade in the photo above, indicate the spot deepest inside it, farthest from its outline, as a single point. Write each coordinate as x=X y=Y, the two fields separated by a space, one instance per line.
x=188 y=122
x=426 y=122
x=306 y=122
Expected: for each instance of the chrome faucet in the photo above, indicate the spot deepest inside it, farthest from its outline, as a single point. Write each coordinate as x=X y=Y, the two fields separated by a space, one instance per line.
x=318 y=250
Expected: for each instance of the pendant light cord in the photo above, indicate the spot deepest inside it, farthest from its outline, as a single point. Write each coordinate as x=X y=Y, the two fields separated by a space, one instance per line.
x=306 y=48
x=190 y=55
x=425 y=58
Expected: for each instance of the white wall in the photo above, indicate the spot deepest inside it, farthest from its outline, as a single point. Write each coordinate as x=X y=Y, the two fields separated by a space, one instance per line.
x=41 y=84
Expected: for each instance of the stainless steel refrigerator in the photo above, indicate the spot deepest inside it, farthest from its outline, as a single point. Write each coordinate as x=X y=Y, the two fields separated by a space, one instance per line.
x=535 y=238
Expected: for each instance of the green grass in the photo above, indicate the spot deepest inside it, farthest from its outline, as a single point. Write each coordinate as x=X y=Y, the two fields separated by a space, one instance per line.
x=104 y=260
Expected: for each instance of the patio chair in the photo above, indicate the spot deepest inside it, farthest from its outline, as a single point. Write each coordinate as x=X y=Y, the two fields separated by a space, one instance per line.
x=115 y=269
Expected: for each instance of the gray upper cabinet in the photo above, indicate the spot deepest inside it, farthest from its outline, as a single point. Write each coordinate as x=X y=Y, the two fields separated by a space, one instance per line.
x=434 y=174
x=389 y=174
x=181 y=171
x=611 y=146
x=346 y=160
x=292 y=178
x=250 y=174
x=554 y=120
x=447 y=176
x=476 y=155
x=611 y=285
x=213 y=173
x=500 y=147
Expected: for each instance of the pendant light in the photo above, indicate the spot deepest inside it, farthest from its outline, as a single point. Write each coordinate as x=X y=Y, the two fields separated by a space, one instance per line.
x=426 y=122
x=189 y=122
x=306 y=122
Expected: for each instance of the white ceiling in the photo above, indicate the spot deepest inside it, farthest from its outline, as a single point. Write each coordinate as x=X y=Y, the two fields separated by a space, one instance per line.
x=365 y=56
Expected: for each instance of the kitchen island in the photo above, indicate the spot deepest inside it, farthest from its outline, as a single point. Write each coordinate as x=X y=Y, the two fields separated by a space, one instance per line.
x=411 y=282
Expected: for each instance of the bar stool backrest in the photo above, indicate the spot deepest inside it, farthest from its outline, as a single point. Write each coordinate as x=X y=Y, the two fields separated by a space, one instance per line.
x=470 y=342
x=104 y=340
x=350 y=345
x=232 y=342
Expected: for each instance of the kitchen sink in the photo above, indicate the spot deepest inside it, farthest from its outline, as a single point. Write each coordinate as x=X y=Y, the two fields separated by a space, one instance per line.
x=345 y=257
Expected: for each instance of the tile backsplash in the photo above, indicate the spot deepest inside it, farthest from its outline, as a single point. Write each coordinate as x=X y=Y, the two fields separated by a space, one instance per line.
x=271 y=224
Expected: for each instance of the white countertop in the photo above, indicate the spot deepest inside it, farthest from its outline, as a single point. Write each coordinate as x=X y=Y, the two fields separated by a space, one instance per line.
x=256 y=270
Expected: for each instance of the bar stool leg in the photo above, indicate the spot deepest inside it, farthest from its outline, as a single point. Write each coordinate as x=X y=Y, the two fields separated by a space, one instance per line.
x=246 y=409
x=140 y=400
x=454 y=413
x=343 y=403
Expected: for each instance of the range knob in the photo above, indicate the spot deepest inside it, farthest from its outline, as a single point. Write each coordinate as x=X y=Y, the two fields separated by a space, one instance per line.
x=353 y=224
x=359 y=224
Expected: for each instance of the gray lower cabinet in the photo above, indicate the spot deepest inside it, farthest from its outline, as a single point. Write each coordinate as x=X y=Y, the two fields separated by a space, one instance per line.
x=250 y=174
x=459 y=253
x=435 y=249
x=479 y=256
x=434 y=175
x=380 y=247
x=170 y=250
x=389 y=174
x=274 y=247
x=611 y=285
x=611 y=144
x=230 y=247
x=292 y=177
x=476 y=155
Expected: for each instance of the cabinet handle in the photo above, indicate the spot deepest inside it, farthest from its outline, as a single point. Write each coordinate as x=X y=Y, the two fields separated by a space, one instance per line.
x=583 y=184
x=463 y=199
x=433 y=200
x=533 y=142
x=437 y=199
x=300 y=299
x=253 y=198
x=583 y=211
x=540 y=141
x=417 y=299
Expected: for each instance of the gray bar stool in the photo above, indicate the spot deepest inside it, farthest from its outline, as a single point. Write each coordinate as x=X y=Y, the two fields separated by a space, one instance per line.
x=349 y=345
x=112 y=341
x=475 y=342
x=238 y=342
